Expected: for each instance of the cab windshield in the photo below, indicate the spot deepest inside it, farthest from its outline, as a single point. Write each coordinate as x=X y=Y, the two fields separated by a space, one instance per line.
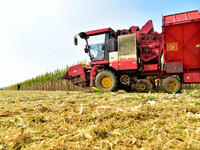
x=96 y=44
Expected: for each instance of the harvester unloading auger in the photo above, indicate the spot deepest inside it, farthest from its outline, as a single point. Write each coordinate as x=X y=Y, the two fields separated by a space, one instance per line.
x=128 y=57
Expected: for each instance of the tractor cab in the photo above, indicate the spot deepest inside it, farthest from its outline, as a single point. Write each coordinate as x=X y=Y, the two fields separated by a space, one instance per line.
x=99 y=43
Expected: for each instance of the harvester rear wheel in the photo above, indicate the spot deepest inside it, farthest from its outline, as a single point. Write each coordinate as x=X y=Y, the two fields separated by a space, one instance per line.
x=171 y=85
x=106 y=81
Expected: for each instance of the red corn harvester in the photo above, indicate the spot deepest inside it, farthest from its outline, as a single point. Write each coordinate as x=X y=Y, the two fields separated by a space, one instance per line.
x=134 y=58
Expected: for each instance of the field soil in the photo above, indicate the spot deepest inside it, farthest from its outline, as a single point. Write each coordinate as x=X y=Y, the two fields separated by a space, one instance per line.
x=95 y=120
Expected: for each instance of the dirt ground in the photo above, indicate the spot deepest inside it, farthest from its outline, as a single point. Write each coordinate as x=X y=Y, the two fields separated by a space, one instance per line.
x=95 y=120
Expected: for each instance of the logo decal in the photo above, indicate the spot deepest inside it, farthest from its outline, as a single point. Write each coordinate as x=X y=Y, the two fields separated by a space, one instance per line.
x=172 y=46
x=198 y=45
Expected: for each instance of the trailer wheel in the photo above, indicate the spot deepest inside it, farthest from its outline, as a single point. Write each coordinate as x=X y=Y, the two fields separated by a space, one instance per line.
x=106 y=81
x=171 y=85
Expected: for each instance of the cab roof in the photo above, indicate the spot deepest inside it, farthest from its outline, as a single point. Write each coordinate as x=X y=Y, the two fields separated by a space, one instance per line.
x=99 y=31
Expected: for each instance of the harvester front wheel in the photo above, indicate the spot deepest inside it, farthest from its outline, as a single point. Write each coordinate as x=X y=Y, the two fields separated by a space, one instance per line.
x=171 y=85
x=106 y=81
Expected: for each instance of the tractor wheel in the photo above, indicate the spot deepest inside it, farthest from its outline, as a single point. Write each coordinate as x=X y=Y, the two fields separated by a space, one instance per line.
x=106 y=81
x=171 y=85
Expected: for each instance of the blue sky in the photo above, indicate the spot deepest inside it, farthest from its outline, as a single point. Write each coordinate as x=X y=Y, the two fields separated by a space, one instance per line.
x=36 y=36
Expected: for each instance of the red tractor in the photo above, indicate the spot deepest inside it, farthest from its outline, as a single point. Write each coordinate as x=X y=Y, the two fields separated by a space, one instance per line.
x=134 y=58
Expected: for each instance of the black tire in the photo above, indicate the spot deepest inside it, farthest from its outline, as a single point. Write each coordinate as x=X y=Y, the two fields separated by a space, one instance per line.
x=106 y=81
x=171 y=85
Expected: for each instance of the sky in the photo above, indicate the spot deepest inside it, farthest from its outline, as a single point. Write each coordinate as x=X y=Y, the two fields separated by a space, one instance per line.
x=36 y=36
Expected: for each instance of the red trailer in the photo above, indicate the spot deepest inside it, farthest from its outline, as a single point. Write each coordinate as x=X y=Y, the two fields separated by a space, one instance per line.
x=181 y=42
x=135 y=57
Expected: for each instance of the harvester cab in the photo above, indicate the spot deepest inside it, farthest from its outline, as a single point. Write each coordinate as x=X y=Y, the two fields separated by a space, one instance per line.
x=98 y=43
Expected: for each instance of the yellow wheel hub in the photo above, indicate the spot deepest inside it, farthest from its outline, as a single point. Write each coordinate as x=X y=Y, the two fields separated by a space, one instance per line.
x=172 y=85
x=106 y=82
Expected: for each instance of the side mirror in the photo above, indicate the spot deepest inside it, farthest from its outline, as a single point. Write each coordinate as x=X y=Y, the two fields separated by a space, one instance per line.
x=75 y=41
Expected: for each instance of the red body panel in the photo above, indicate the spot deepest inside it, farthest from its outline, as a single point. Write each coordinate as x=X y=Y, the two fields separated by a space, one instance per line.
x=181 y=35
x=115 y=65
x=147 y=28
x=152 y=67
x=127 y=65
x=192 y=77
x=124 y=64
